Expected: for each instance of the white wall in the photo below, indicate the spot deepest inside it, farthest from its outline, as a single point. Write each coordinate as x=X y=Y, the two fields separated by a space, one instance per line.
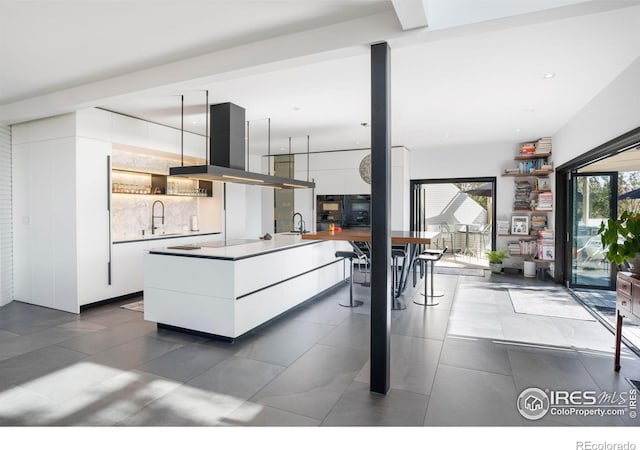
x=460 y=161
x=6 y=228
x=613 y=112
x=338 y=172
x=44 y=212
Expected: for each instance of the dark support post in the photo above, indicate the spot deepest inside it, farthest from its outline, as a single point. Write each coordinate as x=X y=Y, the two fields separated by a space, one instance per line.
x=380 y=218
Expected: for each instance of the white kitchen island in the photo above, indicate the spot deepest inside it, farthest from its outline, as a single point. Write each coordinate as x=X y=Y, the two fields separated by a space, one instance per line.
x=229 y=288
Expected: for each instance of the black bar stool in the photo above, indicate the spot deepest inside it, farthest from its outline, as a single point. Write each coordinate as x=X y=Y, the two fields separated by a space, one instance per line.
x=397 y=253
x=350 y=256
x=430 y=256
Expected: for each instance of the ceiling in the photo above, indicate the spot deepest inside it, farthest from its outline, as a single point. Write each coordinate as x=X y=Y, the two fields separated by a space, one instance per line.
x=474 y=75
x=626 y=161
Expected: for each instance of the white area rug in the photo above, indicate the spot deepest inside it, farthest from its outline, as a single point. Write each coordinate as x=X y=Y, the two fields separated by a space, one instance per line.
x=466 y=271
x=135 y=306
x=552 y=302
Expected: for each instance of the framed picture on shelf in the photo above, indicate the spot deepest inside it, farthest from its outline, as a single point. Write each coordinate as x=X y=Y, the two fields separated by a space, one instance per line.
x=520 y=225
x=543 y=184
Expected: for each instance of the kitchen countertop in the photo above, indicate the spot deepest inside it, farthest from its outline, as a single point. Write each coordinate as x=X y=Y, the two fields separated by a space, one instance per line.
x=153 y=237
x=235 y=249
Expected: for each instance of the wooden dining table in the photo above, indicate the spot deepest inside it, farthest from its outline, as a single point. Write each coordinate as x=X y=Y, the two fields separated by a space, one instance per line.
x=412 y=239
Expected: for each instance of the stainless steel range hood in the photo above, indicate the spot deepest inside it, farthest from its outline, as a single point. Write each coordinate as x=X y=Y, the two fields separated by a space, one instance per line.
x=227 y=154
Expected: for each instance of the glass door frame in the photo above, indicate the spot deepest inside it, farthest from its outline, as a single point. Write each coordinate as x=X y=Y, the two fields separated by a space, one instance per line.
x=613 y=209
x=417 y=199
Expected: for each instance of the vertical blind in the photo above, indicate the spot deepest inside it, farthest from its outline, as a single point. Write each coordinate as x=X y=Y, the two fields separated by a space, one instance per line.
x=6 y=233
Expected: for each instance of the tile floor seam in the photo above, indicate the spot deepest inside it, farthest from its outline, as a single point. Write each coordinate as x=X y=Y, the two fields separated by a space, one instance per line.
x=430 y=396
x=101 y=350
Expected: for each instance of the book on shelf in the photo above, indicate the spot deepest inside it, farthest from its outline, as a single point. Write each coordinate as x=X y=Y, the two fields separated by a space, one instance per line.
x=522 y=247
x=538 y=223
x=522 y=200
x=503 y=226
x=533 y=165
x=527 y=148
x=546 y=244
x=545 y=201
x=543 y=145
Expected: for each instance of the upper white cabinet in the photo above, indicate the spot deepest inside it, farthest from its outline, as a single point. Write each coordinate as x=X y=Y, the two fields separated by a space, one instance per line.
x=129 y=131
x=145 y=135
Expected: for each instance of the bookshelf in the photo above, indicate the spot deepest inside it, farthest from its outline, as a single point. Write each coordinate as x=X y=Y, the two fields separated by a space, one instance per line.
x=533 y=203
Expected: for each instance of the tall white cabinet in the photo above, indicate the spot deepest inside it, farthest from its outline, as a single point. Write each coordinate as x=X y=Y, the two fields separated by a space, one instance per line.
x=44 y=212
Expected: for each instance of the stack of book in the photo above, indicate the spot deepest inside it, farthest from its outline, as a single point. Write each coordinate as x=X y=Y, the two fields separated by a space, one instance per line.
x=512 y=170
x=532 y=165
x=543 y=145
x=523 y=191
x=527 y=148
x=538 y=223
x=545 y=201
x=502 y=226
x=546 y=245
x=522 y=248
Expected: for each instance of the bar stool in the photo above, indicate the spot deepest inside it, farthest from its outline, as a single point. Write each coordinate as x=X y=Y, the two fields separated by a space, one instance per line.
x=430 y=256
x=397 y=253
x=350 y=256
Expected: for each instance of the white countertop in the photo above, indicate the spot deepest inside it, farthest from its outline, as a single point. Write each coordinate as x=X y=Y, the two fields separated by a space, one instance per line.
x=236 y=249
x=152 y=237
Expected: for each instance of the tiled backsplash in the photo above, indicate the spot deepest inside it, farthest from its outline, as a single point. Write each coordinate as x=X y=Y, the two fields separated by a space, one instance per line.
x=131 y=213
x=144 y=162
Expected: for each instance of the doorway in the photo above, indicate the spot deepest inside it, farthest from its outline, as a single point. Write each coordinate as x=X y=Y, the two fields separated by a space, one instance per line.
x=594 y=200
x=462 y=210
x=597 y=185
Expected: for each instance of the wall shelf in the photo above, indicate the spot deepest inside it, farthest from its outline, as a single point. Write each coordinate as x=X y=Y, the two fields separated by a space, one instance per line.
x=532 y=156
x=535 y=173
x=143 y=183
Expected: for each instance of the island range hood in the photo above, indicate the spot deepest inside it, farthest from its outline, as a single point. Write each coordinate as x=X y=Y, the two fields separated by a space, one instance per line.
x=227 y=154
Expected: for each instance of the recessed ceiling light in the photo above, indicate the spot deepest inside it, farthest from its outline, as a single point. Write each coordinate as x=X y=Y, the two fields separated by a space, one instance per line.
x=517 y=130
x=446 y=135
x=549 y=75
x=194 y=122
x=296 y=108
x=281 y=148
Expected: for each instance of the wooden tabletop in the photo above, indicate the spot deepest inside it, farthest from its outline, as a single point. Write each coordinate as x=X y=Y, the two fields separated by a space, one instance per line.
x=364 y=235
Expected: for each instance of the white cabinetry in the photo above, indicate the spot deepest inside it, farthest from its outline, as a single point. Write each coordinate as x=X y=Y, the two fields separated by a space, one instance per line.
x=127 y=264
x=44 y=213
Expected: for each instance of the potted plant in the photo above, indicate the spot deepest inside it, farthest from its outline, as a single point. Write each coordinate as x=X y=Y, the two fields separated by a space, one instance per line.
x=621 y=240
x=496 y=257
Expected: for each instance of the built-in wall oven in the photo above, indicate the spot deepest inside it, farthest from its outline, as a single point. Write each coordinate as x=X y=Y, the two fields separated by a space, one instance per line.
x=328 y=211
x=346 y=211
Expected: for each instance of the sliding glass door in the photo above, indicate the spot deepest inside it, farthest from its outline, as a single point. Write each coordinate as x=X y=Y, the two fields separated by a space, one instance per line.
x=594 y=198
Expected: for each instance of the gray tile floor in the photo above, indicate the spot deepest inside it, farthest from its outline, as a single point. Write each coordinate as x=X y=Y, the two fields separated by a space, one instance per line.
x=463 y=362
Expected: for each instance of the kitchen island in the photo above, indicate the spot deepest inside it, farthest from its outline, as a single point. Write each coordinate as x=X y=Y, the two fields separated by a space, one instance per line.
x=227 y=288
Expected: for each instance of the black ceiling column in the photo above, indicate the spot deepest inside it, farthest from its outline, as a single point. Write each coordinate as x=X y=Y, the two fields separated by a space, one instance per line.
x=380 y=217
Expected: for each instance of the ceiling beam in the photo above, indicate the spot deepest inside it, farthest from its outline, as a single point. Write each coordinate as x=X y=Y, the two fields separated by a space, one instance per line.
x=338 y=40
x=411 y=13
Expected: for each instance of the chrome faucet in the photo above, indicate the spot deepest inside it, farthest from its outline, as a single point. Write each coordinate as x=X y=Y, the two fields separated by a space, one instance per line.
x=154 y=217
x=293 y=220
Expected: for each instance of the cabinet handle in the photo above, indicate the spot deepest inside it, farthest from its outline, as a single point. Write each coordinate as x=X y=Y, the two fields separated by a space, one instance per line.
x=109 y=219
